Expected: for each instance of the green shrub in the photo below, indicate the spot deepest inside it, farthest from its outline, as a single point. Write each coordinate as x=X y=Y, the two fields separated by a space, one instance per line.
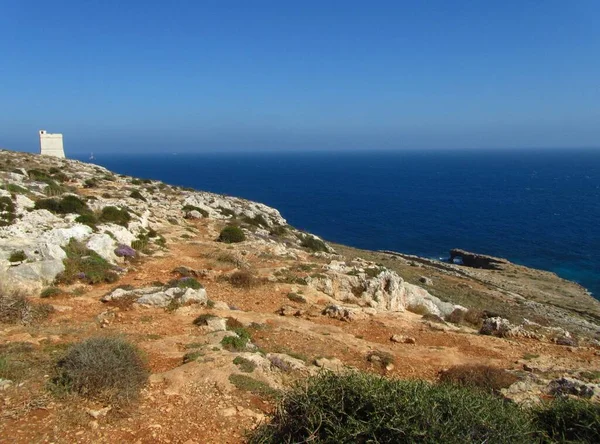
x=13 y=188
x=252 y=385
x=17 y=256
x=295 y=297
x=108 y=369
x=90 y=183
x=185 y=282
x=236 y=343
x=360 y=407
x=256 y=221
x=313 y=244
x=192 y=356
x=137 y=195
x=68 y=204
x=85 y=265
x=115 y=215
x=49 y=292
x=245 y=365
x=485 y=377
x=226 y=212
x=568 y=420
x=231 y=234
x=7 y=211
x=87 y=219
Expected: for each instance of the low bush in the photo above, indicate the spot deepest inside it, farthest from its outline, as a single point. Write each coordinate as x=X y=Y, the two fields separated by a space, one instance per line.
x=186 y=282
x=87 y=219
x=7 y=211
x=108 y=369
x=313 y=244
x=231 y=234
x=68 y=204
x=85 y=265
x=50 y=292
x=137 y=195
x=256 y=221
x=203 y=319
x=252 y=385
x=484 y=377
x=568 y=420
x=192 y=356
x=245 y=365
x=242 y=279
x=295 y=297
x=360 y=407
x=14 y=188
x=17 y=256
x=115 y=215
x=15 y=308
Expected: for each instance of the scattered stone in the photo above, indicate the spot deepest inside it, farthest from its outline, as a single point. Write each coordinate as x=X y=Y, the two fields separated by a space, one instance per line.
x=333 y=364
x=425 y=280
x=98 y=413
x=288 y=310
x=346 y=314
x=5 y=383
x=403 y=339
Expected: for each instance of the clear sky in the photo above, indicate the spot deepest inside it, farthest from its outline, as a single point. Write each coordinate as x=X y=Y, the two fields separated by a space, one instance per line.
x=178 y=75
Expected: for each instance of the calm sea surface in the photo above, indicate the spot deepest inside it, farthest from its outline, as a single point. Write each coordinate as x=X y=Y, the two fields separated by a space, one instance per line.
x=537 y=208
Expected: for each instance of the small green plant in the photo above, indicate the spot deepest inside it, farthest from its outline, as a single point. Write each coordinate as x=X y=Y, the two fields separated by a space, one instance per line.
x=14 y=188
x=185 y=282
x=235 y=343
x=226 y=212
x=192 y=356
x=137 y=195
x=90 y=183
x=17 y=256
x=87 y=219
x=245 y=365
x=231 y=234
x=115 y=215
x=108 y=369
x=256 y=221
x=252 y=385
x=313 y=244
x=295 y=297
x=50 y=292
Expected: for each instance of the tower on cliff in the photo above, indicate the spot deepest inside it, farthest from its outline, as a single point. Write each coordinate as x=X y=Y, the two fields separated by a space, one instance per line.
x=51 y=144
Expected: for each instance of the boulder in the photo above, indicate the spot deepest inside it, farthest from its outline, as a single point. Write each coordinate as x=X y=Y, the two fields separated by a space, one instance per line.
x=346 y=314
x=104 y=245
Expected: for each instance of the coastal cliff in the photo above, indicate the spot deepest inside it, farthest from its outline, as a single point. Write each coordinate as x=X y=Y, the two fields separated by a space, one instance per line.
x=178 y=271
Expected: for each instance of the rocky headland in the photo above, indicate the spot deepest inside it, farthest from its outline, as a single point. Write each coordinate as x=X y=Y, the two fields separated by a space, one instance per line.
x=229 y=304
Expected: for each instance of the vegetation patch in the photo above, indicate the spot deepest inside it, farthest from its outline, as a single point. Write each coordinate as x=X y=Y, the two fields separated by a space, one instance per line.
x=568 y=421
x=66 y=205
x=245 y=365
x=108 y=369
x=88 y=219
x=85 y=265
x=185 y=282
x=17 y=256
x=189 y=208
x=203 y=319
x=312 y=243
x=295 y=297
x=115 y=215
x=484 y=377
x=7 y=211
x=14 y=188
x=256 y=221
x=15 y=308
x=192 y=356
x=137 y=195
x=242 y=279
x=231 y=234
x=360 y=407
x=50 y=292
x=254 y=386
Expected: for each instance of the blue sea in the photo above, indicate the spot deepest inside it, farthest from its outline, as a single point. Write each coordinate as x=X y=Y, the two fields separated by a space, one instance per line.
x=536 y=208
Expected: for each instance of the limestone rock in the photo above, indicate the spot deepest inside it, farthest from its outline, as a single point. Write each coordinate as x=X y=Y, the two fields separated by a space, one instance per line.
x=342 y=313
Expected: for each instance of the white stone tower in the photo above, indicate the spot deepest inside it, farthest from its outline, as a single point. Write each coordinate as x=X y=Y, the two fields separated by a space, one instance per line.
x=51 y=144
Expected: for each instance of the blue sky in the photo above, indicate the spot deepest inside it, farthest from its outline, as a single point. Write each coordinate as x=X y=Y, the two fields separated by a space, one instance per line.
x=281 y=75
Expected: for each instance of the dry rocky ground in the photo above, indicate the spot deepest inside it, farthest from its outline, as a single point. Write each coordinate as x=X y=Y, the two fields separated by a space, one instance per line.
x=306 y=306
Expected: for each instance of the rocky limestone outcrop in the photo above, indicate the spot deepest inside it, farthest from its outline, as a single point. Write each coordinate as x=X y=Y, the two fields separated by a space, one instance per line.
x=367 y=284
x=159 y=296
x=500 y=327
